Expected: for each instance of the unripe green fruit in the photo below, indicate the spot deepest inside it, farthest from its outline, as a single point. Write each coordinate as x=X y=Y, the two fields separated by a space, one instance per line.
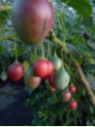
x=61 y=79
x=57 y=63
x=3 y=76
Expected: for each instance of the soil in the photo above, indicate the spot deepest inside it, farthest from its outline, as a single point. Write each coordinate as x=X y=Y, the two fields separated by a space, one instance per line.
x=13 y=112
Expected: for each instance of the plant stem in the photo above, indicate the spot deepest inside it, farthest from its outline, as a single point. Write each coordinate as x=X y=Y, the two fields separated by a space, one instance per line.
x=6 y=37
x=78 y=69
x=53 y=38
x=5 y=8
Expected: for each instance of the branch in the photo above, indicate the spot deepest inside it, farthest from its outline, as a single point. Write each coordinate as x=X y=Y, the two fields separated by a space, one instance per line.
x=84 y=81
x=5 y=7
x=6 y=37
x=78 y=69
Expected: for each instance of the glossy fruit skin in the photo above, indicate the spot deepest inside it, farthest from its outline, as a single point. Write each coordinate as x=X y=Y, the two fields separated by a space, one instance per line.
x=3 y=76
x=51 y=81
x=52 y=89
x=40 y=68
x=51 y=68
x=31 y=81
x=72 y=89
x=61 y=79
x=15 y=72
x=57 y=63
x=32 y=19
x=73 y=105
x=66 y=96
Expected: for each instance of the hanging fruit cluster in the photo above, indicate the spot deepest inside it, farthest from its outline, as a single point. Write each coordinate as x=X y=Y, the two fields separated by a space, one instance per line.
x=45 y=69
x=67 y=95
x=51 y=70
x=32 y=21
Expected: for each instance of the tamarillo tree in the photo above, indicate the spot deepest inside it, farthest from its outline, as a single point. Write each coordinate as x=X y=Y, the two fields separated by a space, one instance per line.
x=58 y=66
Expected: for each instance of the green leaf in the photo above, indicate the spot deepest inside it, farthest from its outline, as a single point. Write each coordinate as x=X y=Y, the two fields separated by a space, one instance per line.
x=82 y=7
x=39 y=95
x=61 y=110
x=52 y=99
x=19 y=51
x=91 y=110
x=34 y=57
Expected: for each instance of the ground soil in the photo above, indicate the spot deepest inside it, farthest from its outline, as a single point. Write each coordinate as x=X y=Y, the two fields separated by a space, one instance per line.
x=13 y=112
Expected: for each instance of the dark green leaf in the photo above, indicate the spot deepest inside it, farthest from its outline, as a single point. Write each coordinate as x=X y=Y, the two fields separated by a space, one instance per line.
x=83 y=7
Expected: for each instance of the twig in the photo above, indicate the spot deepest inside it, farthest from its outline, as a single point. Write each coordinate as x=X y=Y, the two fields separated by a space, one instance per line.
x=84 y=81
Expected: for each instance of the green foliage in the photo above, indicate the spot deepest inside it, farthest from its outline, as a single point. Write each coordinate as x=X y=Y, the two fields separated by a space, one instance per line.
x=83 y=7
x=48 y=108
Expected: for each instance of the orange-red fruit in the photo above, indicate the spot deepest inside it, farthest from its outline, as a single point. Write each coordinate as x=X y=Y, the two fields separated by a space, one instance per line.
x=40 y=68
x=66 y=96
x=15 y=71
x=51 y=81
x=32 y=19
x=72 y=89
x=52 y=89
x=73 y=105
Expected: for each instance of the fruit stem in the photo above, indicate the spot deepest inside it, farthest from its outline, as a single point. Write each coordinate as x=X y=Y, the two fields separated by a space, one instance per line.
x=62 y=27
x=49 y=51
x=52 y=37
x=62 y=58
x=43 y=51
x=55 y=55
x=16 y=56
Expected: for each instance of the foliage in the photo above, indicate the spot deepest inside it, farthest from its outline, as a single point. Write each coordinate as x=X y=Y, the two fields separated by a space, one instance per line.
x=48 y=108
x=83 y=8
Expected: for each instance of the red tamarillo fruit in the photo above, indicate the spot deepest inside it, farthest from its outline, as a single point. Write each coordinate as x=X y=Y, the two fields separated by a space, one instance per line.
x=32 y=19
x=15 y=72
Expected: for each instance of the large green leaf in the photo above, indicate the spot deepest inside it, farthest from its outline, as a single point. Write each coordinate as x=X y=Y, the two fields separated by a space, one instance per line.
x=82 y=7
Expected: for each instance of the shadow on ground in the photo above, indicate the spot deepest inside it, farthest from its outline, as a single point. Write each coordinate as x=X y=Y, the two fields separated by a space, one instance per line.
x=13 y=112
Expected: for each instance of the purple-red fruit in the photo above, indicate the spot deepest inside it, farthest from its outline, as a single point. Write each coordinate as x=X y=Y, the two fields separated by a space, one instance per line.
x=73 y=105
x=66 y=96
x=32 y=19
x=72 y=89
x=51 y=81
x=40 y=68
x=15 y=72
